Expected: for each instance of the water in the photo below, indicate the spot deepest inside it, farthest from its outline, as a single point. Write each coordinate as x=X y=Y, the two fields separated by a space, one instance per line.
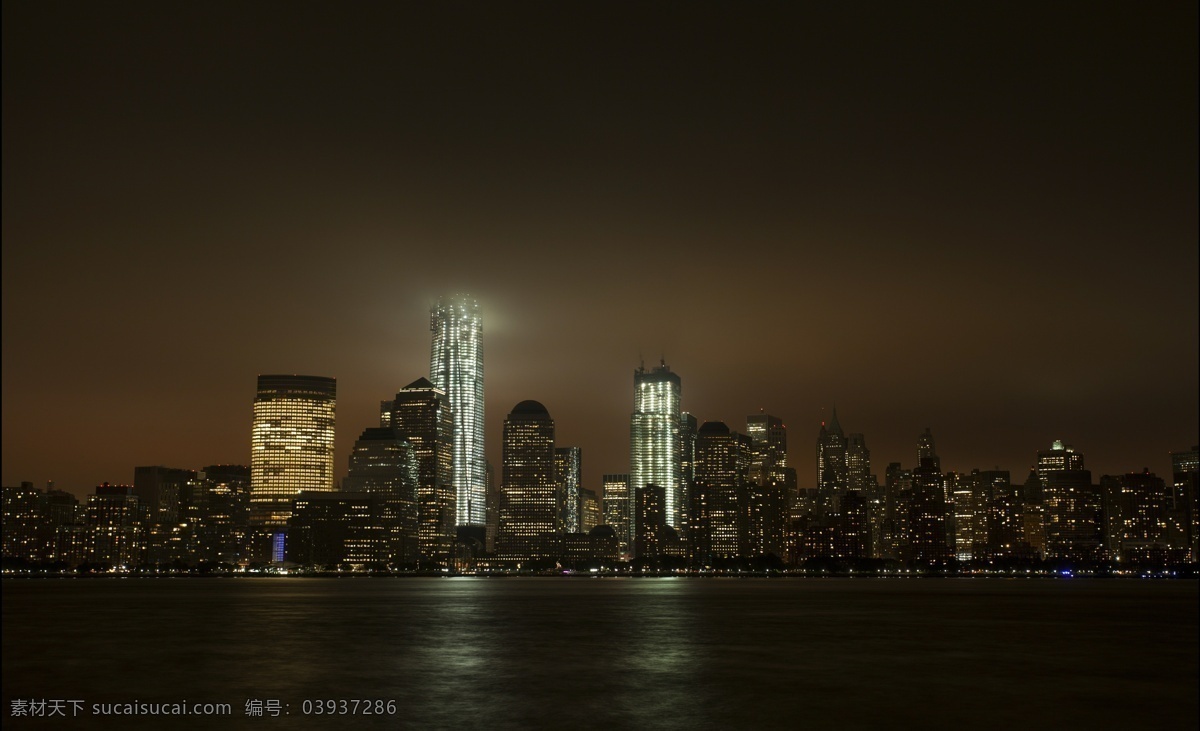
x=613 y=653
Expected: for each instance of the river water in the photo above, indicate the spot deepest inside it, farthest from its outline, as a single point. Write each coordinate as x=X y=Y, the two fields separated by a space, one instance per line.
x=611 y=653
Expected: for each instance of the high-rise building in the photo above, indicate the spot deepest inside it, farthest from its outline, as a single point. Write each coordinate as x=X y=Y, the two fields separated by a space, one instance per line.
x=858 y=465
x=650 y=521
x=568 y=474
x=589 y=510
x=22 y=514
x=1139 y=521
x=617 y=509
x=291 y=444
x=655 y=445
x=456 y=368
x=833 y=477
x=162 y=491
x=719 y=498
x=768 y=442
x=927 y=450
x=493 y=509
x=383 y=464
x=1059 y=457
x=1185 y=493
x=927 y=535
x=528 y=506
x=688 y=425
x=421 y=417
x=113 y=524
x=223 y=513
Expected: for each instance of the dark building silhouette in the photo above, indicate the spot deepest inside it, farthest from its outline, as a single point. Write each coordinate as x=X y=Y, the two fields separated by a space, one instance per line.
x=925 y=505
x=334 y=529
x=167 y=497
x=568 y=475
x=1185 y=478
x=385 y=465
x=650 y=521
x=833 y=477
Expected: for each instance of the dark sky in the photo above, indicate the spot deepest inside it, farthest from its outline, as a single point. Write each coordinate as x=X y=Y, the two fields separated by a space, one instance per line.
x=977 y=217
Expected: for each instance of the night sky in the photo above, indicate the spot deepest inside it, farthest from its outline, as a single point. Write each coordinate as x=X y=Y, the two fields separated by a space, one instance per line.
x=976 y=217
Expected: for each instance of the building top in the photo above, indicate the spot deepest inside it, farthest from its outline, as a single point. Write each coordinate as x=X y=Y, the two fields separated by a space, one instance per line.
x=529 y=410
x=379 y=433
x=316 y=385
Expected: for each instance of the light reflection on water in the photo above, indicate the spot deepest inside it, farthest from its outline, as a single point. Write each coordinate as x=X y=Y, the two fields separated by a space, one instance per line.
x=616 y=653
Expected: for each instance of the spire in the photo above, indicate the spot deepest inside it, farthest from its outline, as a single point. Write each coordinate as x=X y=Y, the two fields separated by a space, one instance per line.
x=834 y=426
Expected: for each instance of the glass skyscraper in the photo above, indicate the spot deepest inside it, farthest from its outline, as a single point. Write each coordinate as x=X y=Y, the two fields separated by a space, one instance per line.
x=291 y=443
x=456 y=368
x=654 y=441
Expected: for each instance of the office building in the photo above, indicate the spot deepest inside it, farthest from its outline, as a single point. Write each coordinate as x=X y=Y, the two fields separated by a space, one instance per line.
x=291 y=444
x=332 y=530
x=113 y=527
x=421 y=417
x=456 y=369
x=655 y=445
x=719 y=499
x=833 y=477
x=568 y=473
x=618 y=509
x=384 y=465
x=1059 y=457
x=528 y=500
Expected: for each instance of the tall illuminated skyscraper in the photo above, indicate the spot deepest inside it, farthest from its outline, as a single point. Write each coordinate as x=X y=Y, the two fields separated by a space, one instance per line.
x=291 y=444
x=456 y=368
x=654 y=442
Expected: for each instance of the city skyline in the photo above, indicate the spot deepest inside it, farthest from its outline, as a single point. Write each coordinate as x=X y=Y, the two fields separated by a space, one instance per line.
x=994 y=238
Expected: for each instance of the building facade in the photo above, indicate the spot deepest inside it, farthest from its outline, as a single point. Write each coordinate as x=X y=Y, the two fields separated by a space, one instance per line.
x=528 y=496
x=456 y=369
x=655 y=445
x=421 y=416
x=568 y=474
x=383 y=464
x=291 y=444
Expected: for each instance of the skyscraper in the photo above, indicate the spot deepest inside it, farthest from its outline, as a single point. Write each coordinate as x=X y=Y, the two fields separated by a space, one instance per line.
x=384 y=465
x=719 y=500
x=568 y=473
x=1185 y=477
x=1059 y=457
x=617 y=510
x=858 y=465
x=654 y=440
x=291 y=443
x=456 y=368
x=421 y=416
x=832 y=475
x=528 y=508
